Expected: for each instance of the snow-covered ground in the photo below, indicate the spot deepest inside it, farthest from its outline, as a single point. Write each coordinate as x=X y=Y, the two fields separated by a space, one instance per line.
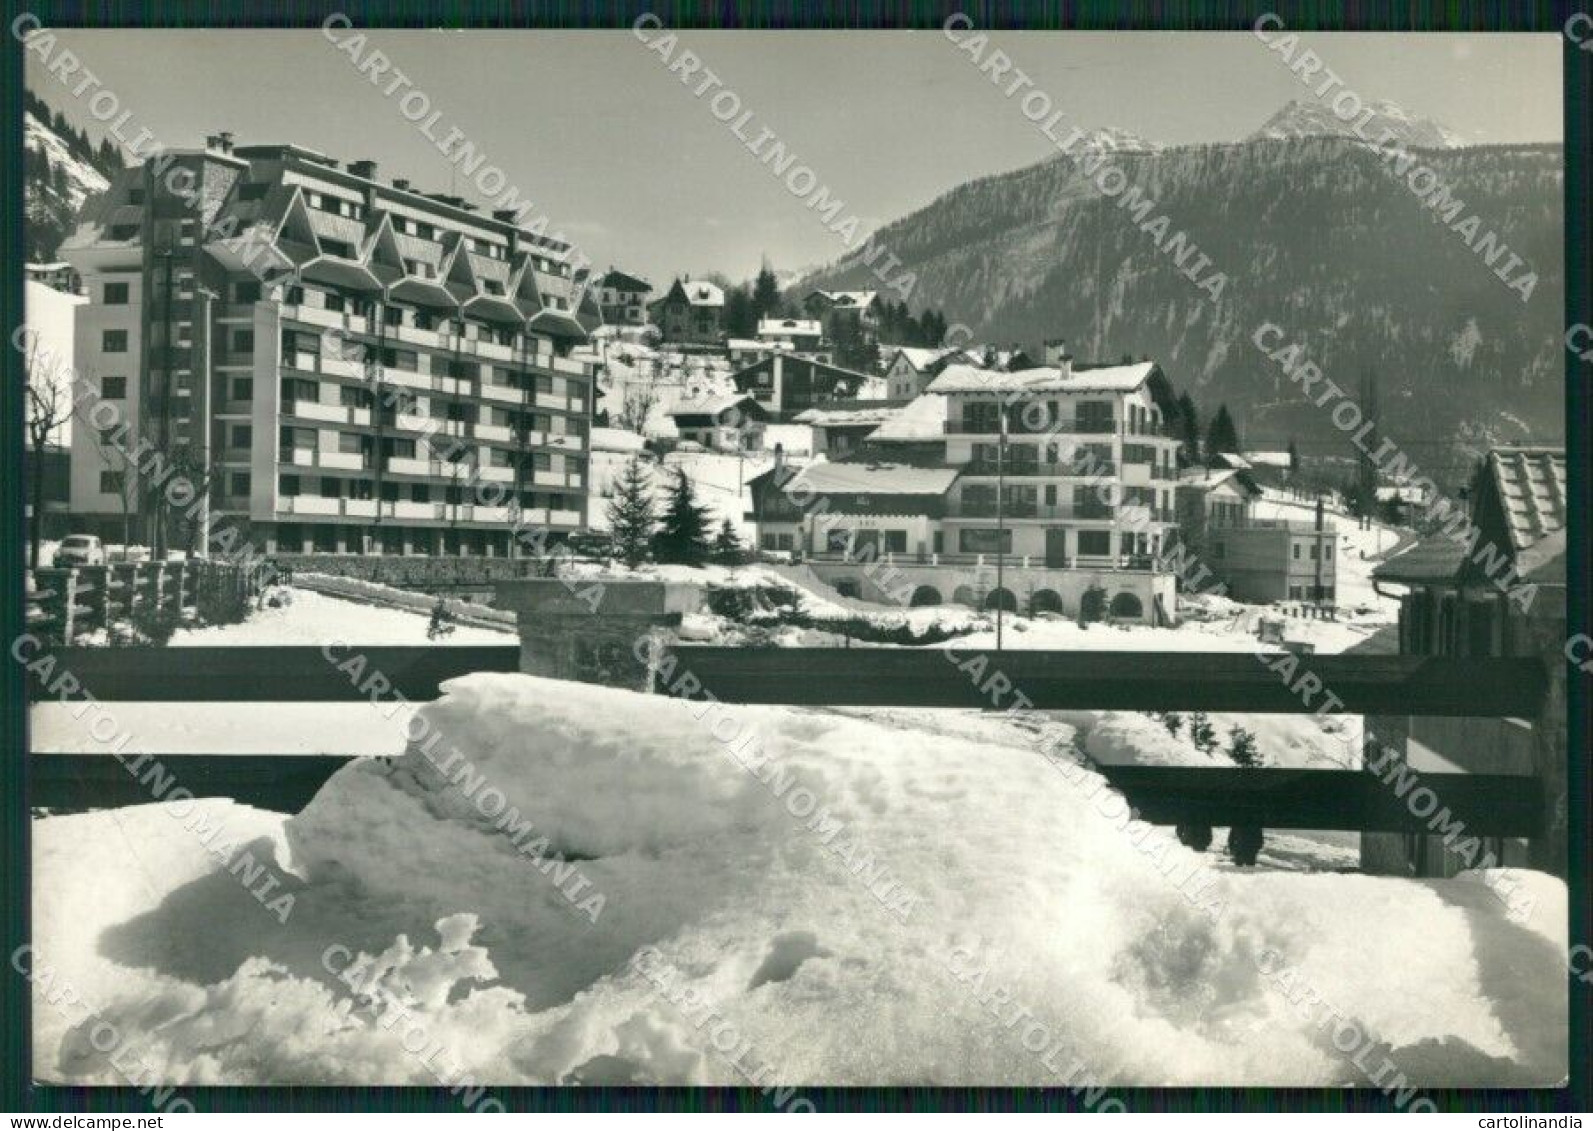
x=963 y=876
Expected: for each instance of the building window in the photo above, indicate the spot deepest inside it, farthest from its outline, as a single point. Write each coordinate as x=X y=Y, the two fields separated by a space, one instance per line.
x=238 y=483
x=242 y=435
x=1296 y=549
x=393 y=315
x=243 y=388
x=1095 y=543
x=243 y=341
x=246 y=292
x=334 y=302
x=110 y=482
x=113 y=388
x=984 y=541
x=288 y=485
x=113 y=341
x=116 y=294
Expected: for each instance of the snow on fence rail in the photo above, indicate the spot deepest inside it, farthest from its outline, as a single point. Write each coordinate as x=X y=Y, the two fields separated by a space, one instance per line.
x=66 y=604
x=1493 y=805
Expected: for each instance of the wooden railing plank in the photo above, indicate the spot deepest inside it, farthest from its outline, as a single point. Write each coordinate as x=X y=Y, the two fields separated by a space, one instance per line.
x=901 y=677
x=1484 y=804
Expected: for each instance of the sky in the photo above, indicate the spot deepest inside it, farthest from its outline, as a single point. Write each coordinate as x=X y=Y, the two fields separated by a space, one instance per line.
x=621 y=156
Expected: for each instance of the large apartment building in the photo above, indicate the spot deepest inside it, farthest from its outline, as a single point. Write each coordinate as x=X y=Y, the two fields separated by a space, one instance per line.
x=358 y=366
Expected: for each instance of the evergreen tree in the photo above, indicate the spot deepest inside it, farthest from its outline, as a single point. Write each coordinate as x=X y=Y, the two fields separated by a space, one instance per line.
x=1202 y=733
x=741 y=321
x=1221 y=434
x=765 y=294
x=682 y=536
x=1294 y=457
x=1242 y=748
x=728 y=549
x=630 y=514
x=1187 y=425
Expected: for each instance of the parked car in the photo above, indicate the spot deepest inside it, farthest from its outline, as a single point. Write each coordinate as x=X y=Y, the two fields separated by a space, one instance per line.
x=79 y=550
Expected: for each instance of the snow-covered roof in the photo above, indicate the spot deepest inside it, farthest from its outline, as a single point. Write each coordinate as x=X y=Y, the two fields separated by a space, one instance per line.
x=1230 y=459
x=709 y=406
x=701 y=293
x=616 y=440
x=1269 y=459
x=43 y=268
x=1416 y=495
x=1210 y=478
x=826 y=478
x=852 y=415
x=750 y=344
x=780 y=327
x=919 y=357
x=1044 y=379
x=922 y=418
x=852 y=298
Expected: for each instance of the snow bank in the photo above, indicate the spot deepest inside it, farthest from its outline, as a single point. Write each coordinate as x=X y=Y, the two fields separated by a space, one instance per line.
x=881 y=921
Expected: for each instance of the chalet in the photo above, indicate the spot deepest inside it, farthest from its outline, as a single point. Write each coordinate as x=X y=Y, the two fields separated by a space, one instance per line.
x=850 y=510
x=1456 y=600
x=691 y=312
x=623 y=298
x=840 y=427
x=786 y=384
x=727 y=423
x=911 y=369
x=802 y=335
x=832 y=309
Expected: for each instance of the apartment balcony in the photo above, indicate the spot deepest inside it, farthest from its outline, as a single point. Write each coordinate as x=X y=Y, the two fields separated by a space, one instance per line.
x=331 y=319
x=336 y=461
x=475 y=513
x=311 y=504
x=500 y=433
x=359 y=508
x=564 y=518
x=556 y=402
x=563 y=479
x=1019 y=427
x=315 y=410
x=407 y=379
x=565 y=365
x=496 y=392
x=345 y=367
x=414 y=335
x=404 y=508
x=498 y=474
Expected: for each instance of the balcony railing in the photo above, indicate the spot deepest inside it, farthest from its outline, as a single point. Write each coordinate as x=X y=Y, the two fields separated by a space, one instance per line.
x=980 y=509
x=1018 y=427
x=1029 y=470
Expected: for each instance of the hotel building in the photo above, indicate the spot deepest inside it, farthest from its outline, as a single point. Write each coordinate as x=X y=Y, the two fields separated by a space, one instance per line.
x=359 y=367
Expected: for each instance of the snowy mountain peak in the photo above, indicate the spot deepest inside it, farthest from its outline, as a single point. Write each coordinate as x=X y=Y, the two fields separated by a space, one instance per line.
x=1303 y=118
x=1114 y=139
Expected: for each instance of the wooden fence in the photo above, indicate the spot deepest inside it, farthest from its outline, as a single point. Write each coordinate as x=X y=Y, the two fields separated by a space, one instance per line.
x=64 y=605
x=1489 y=805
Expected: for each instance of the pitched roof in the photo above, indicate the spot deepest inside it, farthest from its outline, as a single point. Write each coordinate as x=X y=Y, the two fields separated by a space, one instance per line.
x=1207 y=478
x=779 y=326
x=1437 y=557
x=826 y=478
x=1107 y=379
x=621 y=281
x=922 y=418
x=1531 y=489
x=851 y=413
x=711 y=405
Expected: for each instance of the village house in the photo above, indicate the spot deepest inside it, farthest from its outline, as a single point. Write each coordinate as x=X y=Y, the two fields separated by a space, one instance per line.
x=725 y=423
x=801 y=335
x=623 y=298
x=786 y=384
x=1452 y=603
x=911 y=369
x=841 y=427
x=850 y=511
x=1258 y=560
x=832 y=309
x=691 y=312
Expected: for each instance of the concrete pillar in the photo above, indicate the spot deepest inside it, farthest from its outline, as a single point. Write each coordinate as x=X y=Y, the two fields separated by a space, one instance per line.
x=610 y=632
